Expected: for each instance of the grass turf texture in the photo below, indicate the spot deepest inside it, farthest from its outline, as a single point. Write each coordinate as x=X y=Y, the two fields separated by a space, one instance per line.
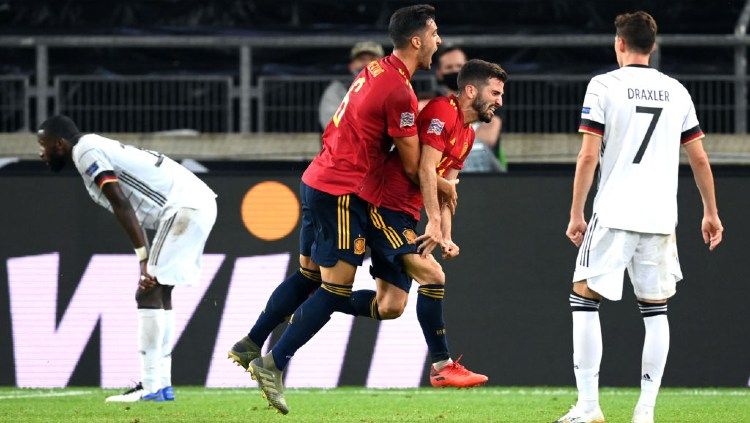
x=367 y=405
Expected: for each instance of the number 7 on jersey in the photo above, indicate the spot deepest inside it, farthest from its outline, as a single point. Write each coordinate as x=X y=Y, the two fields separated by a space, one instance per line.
x=656 y=112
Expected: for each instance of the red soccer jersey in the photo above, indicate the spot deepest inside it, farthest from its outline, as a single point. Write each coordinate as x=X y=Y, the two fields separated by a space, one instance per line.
x=441 y=125
x=380 y=105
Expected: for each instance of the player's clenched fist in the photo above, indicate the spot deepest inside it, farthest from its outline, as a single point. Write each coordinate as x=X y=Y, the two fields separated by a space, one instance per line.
x=576 y=230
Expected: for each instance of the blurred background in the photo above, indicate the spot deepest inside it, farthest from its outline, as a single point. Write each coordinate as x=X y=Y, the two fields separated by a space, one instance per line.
x=236 y=90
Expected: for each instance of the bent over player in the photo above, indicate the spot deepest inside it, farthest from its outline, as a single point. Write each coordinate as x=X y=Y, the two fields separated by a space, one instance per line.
x=144 y=190
x=635 y=119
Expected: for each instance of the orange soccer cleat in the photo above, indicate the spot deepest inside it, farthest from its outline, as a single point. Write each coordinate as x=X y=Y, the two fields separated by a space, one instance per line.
x=455 y=375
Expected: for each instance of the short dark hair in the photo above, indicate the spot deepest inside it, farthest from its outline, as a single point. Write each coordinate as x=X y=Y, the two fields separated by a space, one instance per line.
x=477 y=72
x=407 y=21
x=61 y=126
x=638 y=29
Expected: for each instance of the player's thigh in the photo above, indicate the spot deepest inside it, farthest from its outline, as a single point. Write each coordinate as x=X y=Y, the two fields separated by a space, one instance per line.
x=177 y=250
x=340 y=226
x=391 y=237
x=655 y=267
x=601 y=261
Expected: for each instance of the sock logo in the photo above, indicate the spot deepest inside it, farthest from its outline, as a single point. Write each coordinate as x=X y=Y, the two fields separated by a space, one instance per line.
x=647 y=378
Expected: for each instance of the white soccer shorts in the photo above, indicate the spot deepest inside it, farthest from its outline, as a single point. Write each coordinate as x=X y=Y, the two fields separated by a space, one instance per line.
x=177 y=249
x=651 y=261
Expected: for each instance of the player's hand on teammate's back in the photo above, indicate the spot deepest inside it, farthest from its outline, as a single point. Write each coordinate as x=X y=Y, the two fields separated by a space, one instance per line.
x=576 y=230
x=712 y=231
x=431 y=238
x=450 y=250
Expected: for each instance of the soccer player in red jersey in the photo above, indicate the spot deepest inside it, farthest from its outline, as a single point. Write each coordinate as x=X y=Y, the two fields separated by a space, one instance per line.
x=446 y=136
x=378 y=111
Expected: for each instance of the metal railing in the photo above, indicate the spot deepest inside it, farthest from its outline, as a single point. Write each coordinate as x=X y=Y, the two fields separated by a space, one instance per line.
x=552 y=103
x=146 y=103
x=14 y=107
x=721 y=101
x=290 y=103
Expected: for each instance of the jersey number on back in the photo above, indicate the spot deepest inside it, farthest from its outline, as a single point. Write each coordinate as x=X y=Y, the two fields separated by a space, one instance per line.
x=656 y=112
x=356 y=86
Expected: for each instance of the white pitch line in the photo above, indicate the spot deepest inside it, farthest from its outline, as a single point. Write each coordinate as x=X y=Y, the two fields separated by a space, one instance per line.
x=498 y=392
x=22 y=395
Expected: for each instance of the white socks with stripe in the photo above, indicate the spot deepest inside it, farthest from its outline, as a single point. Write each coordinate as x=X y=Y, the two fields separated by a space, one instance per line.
x=150 y=339
x=166 y=349
x=587 y=350
x=655 y=350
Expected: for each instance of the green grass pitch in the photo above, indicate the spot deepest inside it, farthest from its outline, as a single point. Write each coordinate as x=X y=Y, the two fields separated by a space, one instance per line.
x=494 y=404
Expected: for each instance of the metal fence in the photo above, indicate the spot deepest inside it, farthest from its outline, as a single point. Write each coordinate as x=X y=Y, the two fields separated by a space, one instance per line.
x=552 y=103
x=290 y=103
x=14 y=107
x=535 y=103
x=146 y=103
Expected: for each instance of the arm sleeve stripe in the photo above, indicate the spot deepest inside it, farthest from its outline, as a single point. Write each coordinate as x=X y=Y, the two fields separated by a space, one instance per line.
x=691 y=134
x=105 y=177
x=591 y=127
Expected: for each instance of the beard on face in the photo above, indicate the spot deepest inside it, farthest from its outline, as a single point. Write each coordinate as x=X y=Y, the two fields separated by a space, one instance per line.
x=56 y=163
x=483 y=109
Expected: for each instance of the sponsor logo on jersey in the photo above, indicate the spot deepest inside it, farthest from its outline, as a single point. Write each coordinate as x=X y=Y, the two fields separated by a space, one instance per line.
x=436 y=127
x=407 y=119
x=359 y=246
x=585 y=110
x=410 y=236
x=93 y=168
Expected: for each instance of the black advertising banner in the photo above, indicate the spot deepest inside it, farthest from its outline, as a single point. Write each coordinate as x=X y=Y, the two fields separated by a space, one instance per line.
x=68 y=275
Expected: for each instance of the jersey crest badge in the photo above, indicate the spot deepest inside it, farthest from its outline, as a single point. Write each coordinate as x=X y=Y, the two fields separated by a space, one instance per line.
x=407 y=119
x=585 y=110
x=93 y=168
x=410 y=236
x=375 y=68
x=436 y=127
x=359 y=246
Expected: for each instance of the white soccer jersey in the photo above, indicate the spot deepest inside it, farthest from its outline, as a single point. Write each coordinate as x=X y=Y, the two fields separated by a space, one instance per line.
x=643 y=116
x=154 y=184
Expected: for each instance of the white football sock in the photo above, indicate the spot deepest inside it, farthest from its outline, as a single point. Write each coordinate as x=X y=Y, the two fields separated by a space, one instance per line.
x=442 y=363
x=655 y=350
x=587 y=350
x=150 y=338
x=166 y=349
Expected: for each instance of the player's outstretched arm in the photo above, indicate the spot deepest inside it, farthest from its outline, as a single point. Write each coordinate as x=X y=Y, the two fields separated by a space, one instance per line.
x=711 y=226
x=586 y=163
x=125 y=215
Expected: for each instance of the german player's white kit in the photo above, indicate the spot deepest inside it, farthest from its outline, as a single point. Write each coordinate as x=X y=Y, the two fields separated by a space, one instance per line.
x=643 y=117
x=164 y=195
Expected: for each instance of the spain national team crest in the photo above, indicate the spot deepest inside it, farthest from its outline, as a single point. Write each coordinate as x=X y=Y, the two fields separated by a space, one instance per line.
x=410 y=236
x=436 y=127
x=407 y=119
x=359 y=246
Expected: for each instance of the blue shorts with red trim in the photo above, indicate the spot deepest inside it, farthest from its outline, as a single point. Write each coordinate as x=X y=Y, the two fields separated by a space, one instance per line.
x=334 y=227
x=392 y=234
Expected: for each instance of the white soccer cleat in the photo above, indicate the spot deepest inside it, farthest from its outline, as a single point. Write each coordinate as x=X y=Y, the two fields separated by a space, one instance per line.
x=131 y=395
x=576 y=415
x=643 y=415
